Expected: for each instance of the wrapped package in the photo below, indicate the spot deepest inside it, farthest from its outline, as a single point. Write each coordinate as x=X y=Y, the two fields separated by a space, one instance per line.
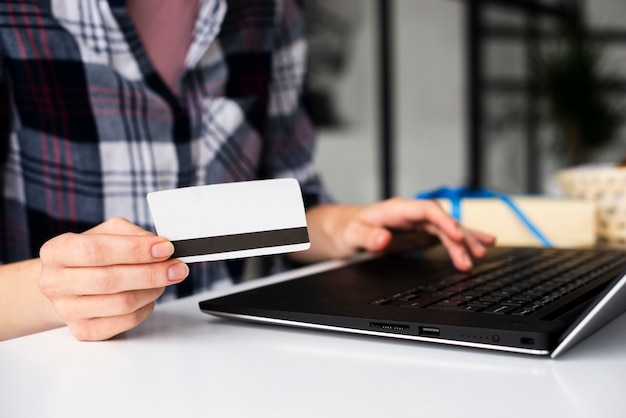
x=565 y=222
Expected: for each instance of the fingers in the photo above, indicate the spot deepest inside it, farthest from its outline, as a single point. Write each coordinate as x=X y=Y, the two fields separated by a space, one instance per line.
x=104 y=328
x=477 y=242
x=473 y=245
x=114 y=279
x=98 y=303
x=458 y=251
x=407 y=213
x=118 y=226
x=359 y=235
x=412 y=215
x=404 y=224
x=95 y=249
x=107 y=306
x=95 y=263
x=399 y=214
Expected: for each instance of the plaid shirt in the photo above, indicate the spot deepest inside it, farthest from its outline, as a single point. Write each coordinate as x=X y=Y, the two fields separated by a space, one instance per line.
x=88 y=127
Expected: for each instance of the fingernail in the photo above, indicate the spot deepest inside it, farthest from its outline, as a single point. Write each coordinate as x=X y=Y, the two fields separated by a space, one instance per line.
x=379 y=240
x=467 y=261
x=162 y=249
x=177 y=271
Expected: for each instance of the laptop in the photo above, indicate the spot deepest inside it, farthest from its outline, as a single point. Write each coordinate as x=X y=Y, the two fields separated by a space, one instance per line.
x=536 y=301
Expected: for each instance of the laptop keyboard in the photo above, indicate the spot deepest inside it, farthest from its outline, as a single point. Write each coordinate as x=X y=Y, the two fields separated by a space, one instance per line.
x=519 y=284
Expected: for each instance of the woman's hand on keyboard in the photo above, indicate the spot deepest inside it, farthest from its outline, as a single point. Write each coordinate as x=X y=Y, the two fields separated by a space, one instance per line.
x=395 y=224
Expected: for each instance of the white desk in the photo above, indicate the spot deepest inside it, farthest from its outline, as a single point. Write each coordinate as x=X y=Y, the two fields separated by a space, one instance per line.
x=184 y=363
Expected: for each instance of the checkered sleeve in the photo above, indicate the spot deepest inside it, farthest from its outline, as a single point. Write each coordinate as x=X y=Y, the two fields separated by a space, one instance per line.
x=290 y=133
x=5 y=120
x=2 y=80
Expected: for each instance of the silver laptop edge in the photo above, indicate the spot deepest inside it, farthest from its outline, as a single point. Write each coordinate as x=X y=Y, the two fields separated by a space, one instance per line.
x=274 y=321
x=605 y=309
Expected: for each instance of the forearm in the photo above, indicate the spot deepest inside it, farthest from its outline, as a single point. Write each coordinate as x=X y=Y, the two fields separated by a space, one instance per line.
x=23 y=308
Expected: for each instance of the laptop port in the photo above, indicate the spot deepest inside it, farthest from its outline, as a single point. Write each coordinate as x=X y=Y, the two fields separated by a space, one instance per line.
x=429 y=332
x=527 y=341
x=389 y=327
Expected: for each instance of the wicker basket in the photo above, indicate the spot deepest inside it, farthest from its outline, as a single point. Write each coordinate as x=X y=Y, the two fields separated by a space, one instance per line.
x=606 y=186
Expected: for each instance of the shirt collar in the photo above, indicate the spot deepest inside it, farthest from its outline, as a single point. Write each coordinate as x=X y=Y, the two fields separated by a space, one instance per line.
x=207 y=27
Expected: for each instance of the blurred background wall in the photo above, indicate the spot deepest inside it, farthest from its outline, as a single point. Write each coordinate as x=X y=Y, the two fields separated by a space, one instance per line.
x=431 y=148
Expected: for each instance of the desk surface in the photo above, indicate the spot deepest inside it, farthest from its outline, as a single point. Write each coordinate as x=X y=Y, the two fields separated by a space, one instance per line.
x=181 y=362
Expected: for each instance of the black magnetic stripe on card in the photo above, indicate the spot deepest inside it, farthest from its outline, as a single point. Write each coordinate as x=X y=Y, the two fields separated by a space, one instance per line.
x=239 y=242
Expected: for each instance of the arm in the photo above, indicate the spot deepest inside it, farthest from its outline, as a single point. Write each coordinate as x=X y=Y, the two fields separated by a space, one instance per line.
x=339 y=231
x=99 y=283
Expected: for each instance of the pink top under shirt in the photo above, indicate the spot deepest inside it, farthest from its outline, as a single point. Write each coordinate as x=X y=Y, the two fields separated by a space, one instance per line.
x=166 y=30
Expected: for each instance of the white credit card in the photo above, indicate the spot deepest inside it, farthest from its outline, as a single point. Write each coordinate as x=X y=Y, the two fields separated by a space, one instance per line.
x=231 y=220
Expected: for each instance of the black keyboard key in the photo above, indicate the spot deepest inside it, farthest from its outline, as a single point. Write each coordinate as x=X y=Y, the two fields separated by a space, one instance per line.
x=500 y=309
x=522 y=311
x=426 y=300
x=382 y=301
x=444 y=307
